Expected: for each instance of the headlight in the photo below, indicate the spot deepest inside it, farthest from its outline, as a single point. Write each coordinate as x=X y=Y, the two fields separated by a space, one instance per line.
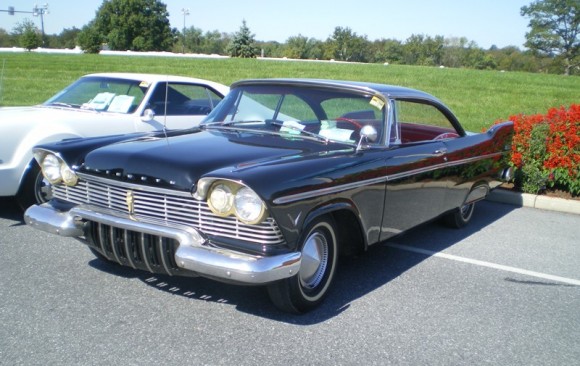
x=221 y=199
x=248 y=206
x=56 y=171
x=226 y=198
x=51 y=168
x=68 y=176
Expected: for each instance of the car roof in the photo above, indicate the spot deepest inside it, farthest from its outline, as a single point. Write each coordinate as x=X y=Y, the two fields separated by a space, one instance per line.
x=375 y=88
x=155 y=78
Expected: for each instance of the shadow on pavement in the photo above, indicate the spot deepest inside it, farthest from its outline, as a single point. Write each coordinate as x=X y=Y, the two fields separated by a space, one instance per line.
x=10 y=210
x=356 y=276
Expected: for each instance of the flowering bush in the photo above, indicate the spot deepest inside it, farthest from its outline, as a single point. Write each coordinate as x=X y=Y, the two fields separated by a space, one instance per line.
x=546 y=150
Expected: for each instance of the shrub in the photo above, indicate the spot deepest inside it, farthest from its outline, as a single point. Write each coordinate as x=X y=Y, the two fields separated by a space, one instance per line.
x=546 y=150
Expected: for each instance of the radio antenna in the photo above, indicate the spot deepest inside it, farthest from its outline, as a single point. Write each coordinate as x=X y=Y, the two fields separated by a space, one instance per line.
x=165 y=106
x=2 y=82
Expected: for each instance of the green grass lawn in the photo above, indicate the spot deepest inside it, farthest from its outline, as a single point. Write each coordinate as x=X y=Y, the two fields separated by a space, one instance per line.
x=478 y=98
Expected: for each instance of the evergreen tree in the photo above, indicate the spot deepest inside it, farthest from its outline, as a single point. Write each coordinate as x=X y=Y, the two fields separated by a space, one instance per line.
x=243 y=43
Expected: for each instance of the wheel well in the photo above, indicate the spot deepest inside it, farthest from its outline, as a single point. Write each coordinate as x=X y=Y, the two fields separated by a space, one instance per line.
x=349 y=232
x=28 y=169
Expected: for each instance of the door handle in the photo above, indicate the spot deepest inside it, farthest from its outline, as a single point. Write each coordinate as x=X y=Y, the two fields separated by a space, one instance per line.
x=440 y=152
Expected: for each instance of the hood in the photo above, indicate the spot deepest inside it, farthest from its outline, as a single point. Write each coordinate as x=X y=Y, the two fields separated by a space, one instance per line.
x=10 y=115
x=178 y=162
x=20 y=121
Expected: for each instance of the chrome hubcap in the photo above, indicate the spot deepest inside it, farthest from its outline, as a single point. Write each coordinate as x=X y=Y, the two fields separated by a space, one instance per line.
x=314 y=260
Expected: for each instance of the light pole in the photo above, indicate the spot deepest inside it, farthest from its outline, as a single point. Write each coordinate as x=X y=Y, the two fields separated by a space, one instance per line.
x=185 y=13
x=40 y=11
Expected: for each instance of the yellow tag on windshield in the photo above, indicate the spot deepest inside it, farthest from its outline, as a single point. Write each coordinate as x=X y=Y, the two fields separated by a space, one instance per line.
x=377 y=102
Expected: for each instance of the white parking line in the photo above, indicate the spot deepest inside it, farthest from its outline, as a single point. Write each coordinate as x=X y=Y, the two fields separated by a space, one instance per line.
x=486 y=264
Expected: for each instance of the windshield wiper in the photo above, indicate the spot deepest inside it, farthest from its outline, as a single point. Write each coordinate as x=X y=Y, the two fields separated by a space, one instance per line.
x=231 y=123
x=61 y=104
x=301 y=130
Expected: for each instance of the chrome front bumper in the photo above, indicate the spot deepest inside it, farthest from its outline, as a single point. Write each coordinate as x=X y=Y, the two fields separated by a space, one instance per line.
x=192 y=254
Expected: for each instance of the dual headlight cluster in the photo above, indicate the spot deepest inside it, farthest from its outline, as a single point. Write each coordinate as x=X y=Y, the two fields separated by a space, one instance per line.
x=226 y=198
x=56 y=170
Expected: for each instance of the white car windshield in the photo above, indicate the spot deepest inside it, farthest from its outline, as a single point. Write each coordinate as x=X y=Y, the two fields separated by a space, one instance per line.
x=102 y=94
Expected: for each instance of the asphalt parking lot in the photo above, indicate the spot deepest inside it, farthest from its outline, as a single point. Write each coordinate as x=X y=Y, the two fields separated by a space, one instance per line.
x=503 y=291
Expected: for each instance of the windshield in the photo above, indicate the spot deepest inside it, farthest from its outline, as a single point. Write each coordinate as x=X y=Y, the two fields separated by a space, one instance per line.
x=102 y=94
x=327 y=113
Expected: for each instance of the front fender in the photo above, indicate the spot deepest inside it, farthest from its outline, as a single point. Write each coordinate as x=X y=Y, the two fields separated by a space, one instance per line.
x=17 y=157
x=294 y=223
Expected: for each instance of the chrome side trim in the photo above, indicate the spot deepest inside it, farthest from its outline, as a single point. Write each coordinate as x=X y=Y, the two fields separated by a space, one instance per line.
x=441 y=166
x=386 y=178
x=325 y=191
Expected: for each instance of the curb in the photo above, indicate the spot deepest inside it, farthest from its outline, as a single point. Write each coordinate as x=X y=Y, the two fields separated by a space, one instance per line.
x=534 y=201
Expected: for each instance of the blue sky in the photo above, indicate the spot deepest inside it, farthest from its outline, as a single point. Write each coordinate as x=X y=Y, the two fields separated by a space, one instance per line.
x=487 y=22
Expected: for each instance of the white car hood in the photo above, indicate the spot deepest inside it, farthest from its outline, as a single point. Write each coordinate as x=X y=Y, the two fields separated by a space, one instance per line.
x=36 y=114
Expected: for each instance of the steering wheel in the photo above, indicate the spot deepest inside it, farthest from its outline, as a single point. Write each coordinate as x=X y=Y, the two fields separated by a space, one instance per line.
x=446 y=135
x=351 y=121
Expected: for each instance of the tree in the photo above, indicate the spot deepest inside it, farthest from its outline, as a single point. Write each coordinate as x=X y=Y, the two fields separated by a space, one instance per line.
x=215 y=42
x=90 y=40
x=387 y=50
x=423 y=50
x=301 y=47
x=554 y=28
x=6 y=39
x=346 y=45
x=29 y=35
x=137 y=25
x=243 y=43
x=66 y=39
x=193 y=39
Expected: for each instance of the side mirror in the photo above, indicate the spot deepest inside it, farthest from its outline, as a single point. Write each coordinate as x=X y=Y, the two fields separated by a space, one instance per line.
x=367 y=134
x=148 y=115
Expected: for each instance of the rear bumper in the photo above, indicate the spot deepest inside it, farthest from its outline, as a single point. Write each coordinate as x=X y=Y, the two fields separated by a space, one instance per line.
x=193 y=253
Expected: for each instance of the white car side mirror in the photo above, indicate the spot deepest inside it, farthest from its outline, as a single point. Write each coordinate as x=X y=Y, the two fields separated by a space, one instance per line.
x=148 y=115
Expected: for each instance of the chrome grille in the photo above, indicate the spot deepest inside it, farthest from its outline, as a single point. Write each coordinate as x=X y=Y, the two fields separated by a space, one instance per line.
x=167 y=206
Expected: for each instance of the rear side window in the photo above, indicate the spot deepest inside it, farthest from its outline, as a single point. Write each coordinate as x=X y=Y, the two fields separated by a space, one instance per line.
x=179 y=99
x=417 y=122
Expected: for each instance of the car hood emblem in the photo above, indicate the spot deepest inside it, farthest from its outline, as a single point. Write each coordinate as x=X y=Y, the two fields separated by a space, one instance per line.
x=130 y=200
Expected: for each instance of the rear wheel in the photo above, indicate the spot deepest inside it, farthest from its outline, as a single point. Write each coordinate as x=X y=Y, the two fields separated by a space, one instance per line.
x=308 y=288
x=460 y=216
x=35 y=189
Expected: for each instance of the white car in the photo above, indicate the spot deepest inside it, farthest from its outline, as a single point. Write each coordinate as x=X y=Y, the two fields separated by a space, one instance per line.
x=96 y=105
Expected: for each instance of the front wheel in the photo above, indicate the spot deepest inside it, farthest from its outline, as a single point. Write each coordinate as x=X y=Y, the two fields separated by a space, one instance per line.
x=308 y=288
x=35 y=189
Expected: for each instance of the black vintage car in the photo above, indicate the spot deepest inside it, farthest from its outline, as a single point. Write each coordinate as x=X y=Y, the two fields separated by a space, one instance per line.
x=280 y=179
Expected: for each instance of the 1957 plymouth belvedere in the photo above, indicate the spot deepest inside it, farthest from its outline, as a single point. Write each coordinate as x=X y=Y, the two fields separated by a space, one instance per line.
x=281 y=178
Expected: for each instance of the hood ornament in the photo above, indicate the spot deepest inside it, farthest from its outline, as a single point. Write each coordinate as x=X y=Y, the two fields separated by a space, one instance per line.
x=130 y=201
